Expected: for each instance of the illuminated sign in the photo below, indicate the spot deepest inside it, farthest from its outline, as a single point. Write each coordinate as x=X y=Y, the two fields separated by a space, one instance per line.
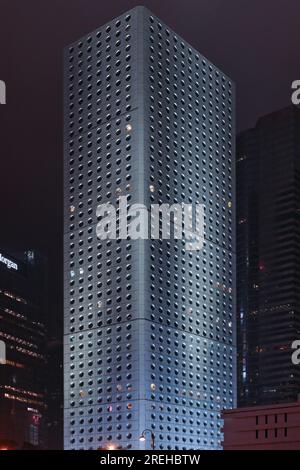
x=10 y=264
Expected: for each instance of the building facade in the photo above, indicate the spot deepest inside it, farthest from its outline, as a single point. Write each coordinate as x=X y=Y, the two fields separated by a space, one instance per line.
x=149 y=325
x=269 y=427
x=22 y=330
x=54 y=382
x=268 y=255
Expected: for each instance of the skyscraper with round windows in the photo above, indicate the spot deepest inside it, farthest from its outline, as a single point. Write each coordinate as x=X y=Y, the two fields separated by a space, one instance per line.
x=149 y=324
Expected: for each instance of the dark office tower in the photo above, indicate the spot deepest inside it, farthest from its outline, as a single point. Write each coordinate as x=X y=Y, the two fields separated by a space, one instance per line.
x=54 y=383
x=22 y=312
x=149 y=323
x=268 y=258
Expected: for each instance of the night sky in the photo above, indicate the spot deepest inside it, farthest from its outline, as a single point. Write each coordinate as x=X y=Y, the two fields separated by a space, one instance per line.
x=257 y=43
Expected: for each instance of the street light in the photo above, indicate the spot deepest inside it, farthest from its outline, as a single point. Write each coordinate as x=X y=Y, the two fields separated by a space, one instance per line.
x=6 y=444
x=142 y=437
x=111 y=447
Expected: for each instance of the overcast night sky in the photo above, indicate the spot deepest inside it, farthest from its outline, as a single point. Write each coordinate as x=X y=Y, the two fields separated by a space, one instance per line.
x=257 y=43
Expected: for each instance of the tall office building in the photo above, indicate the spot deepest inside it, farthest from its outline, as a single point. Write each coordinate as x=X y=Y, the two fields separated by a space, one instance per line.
x=268 y=258
x=22 y=330
x=149 y=325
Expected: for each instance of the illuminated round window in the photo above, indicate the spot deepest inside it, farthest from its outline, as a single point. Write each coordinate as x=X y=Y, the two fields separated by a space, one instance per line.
x=153 y=387
x=151 y=188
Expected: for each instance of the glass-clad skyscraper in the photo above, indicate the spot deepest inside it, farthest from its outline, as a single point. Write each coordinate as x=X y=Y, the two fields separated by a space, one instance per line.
x=149 y=325
x=23 y=309
x=268 y=255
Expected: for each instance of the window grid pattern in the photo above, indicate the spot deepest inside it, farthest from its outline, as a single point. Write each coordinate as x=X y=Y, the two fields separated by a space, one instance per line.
x=149 y=325
x=190 y=376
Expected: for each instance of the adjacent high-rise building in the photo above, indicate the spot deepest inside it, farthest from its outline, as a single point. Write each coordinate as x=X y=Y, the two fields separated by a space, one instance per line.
x=149 y=324
x=268 y=258
x=54 y=393
x=22 y=330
